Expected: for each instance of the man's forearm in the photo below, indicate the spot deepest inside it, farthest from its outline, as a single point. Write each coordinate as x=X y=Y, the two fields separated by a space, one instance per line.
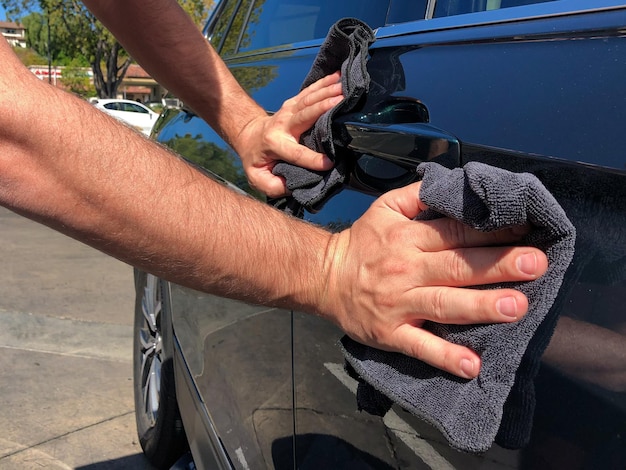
x=164 y=40
x=100 y=182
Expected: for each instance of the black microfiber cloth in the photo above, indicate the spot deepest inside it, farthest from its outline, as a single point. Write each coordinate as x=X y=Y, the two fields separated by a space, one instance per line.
x=469 y=412
x=345 y=48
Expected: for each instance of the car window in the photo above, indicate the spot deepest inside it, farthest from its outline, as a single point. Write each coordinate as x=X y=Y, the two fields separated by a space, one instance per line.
x=133 y=108
x=232 y=41
x=459 y=7
x=401 y=11
x=112 y=106
x=224 y=20
x=270 y=23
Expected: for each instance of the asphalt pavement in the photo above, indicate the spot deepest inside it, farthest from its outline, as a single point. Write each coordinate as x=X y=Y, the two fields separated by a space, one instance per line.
x=66 y=313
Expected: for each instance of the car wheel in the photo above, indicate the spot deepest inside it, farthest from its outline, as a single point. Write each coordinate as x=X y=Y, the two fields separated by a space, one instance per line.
x=159 y=425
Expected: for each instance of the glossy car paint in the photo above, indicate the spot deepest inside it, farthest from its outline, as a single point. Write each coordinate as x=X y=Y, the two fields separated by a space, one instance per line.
x=542 y=93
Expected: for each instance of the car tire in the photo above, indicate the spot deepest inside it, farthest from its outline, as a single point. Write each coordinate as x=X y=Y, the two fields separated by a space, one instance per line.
x=159 y=425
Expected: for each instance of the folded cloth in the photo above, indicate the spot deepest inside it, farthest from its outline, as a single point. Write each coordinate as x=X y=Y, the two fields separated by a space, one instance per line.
x=345 y=48
x=469 y=412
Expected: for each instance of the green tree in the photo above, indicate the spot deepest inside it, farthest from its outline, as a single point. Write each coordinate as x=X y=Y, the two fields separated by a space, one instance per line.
x=44 y=35
x=198 y=10
x=29 y=56
x=36 y=32
x=76 y=34
x=250 y=78
x=76 y=80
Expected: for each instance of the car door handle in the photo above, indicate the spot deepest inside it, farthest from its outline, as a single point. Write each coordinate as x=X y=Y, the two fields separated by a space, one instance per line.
x=406 y=144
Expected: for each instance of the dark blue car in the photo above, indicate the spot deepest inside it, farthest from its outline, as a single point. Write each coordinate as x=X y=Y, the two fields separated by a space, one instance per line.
x=533 y=86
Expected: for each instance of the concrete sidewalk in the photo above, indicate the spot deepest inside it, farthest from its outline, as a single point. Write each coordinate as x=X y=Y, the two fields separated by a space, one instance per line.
x=66 y=313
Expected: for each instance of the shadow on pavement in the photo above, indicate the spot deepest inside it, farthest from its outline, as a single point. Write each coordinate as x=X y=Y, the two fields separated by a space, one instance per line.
x=134 y=462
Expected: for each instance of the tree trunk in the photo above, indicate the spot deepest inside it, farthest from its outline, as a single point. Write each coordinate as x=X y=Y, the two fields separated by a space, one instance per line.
x=107 y=88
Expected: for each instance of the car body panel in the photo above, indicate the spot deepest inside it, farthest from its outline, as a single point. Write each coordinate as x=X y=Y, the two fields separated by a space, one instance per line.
x=538 y=90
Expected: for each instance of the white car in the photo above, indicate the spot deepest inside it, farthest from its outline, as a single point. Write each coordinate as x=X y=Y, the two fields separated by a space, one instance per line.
x=132 y=113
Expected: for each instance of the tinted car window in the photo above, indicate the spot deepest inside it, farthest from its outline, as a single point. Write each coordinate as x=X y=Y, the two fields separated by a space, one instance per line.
x=133 y=108
x=401 y=11
x=235 y=35
x=224 y=21
x=459 y=7
x=275 y=22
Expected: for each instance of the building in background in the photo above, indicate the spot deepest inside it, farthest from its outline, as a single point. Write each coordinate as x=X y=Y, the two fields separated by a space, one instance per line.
x=51 y=74
x=14 y=33
x=137 y=85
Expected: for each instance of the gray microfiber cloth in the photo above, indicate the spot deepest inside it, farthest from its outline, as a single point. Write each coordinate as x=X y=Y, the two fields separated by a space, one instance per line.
x=345 y=48
x=469 y=413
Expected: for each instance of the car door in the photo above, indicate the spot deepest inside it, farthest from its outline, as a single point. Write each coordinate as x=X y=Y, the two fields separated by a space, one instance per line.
x=533 y=88
x=139 y=116
x=274 y=383
x=240 y=355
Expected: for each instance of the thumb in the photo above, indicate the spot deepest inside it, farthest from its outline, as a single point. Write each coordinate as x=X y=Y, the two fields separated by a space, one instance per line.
x=405 y=201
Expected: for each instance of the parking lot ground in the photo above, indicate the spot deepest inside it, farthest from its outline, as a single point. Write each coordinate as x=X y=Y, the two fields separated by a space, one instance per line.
x=66 y=399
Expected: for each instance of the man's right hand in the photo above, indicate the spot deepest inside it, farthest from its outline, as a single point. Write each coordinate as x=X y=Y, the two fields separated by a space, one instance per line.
x=388 y=274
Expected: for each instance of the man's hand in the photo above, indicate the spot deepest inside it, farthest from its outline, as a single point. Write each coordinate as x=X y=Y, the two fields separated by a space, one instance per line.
x=268 y=139
x=388 y=274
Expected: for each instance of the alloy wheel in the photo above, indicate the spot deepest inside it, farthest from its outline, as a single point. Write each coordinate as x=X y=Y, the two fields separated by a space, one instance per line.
x=151 y=347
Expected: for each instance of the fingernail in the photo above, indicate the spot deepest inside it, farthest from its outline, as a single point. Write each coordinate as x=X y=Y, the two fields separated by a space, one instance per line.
x=507 y=306
x=468 y=368
x=527 y=263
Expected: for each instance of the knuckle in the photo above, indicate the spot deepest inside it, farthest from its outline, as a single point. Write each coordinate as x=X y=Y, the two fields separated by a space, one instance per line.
x=308 y=99
x=395 y=266
x=456 y=265
x=420 y=348
x=271 y=140
x=483 y=306
x=439 y=302
x=456 y=232
x=400 y=233
x=291 y=102
x=480 y=306
x=298 y=154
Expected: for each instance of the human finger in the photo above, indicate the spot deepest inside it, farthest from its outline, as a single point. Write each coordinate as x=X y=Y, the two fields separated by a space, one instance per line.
x=287 y=149
x=431 y=349
x=444 y=233
x=478 y=266
x=313 y=101
x=270 y=184
x=404 y=201
x=313 y=107
x=457 y=306
x=320 y=84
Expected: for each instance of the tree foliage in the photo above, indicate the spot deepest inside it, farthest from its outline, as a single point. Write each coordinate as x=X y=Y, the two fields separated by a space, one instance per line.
x=250 y=78
x=76 y=80
x=76 y=35
x=29 y=56
x=198 y=10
